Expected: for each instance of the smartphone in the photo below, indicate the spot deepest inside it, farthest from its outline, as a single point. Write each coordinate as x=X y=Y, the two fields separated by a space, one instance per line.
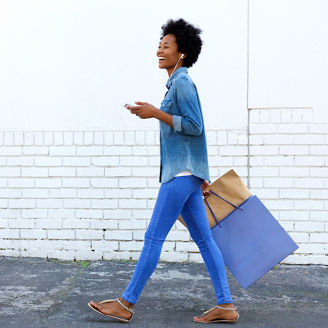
x=127 y=105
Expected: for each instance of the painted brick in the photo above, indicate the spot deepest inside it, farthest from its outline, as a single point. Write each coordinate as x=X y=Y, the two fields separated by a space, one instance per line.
x=318 y=128
x=195 y=258
x=10 y=172
x=118 y=193
x=103 y=224
x=33 y=233
x=132 y=224
x=140 y=138
x=132 y=203
x=132 y=183
x=294 y=150
x=48 y=223
x=9 y=233
x=48 y=203
x=117 y=150
x=61 y=193
x=99 y=182
x=68 y=138
x=278 y=139
x=61 y=234
x=264 y=150
x=263 y=128
x=19 y=161
x=186 y=247
x=118 y=214
x=309 y=161
x=4 y=222
x=98 y=138
x=320 y=237
x=293 y=128
x=233 y=150
x=33 y=213
x=145 y=193
x=308 y=139
x=178 y=235
x=118 y=235
x=18 y=138
x=133 y=161
x=22 y=203
x=319 y=215
x=48 y=138
x=309 y=226
x=300 y=237
x=108 y=138
x=294 y=172
x=90 y=171
x=104 y=245
x=308 y=204
x=131 y=245
x=118 y=171
x=211 y=137
x=308 y=183
x=75 y=223
x=174 y=257
x=287 y=225
x=89 y=234
x=76 y=161
x=294 y=193
x=264 y=171
x=96 y=203
x=21 y=223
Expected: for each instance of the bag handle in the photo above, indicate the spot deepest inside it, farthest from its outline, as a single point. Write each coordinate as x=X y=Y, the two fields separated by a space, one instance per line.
x=215 y=194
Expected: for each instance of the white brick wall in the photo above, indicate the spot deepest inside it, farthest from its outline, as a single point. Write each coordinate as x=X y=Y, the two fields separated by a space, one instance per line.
x=90 y=195
x=288 y=171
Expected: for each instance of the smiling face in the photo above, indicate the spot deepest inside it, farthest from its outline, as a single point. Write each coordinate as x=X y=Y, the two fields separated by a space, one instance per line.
x=168 y=54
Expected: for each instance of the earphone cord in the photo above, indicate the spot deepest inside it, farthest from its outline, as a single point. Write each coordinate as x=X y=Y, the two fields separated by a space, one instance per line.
x=175 y=67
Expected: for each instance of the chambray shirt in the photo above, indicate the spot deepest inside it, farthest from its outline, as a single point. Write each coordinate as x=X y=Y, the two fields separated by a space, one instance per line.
x=183 y=147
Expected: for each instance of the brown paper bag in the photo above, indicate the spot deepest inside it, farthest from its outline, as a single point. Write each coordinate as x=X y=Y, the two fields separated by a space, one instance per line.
x=229 y=186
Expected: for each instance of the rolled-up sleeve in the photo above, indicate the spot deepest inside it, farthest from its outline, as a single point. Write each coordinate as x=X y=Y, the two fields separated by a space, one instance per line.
x=190 y=121
x=177 y=123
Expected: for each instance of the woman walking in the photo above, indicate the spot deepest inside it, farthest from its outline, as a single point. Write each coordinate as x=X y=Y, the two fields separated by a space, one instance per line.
x=184 y=177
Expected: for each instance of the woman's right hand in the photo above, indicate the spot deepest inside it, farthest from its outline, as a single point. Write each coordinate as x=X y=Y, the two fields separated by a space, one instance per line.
x=205 y=186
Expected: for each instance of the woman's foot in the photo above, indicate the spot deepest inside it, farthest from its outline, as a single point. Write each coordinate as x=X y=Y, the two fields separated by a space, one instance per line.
x=114 y=308
x=216 y=313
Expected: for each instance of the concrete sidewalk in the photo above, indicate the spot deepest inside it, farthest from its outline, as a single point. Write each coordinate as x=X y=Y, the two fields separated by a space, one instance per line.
x=48 y=293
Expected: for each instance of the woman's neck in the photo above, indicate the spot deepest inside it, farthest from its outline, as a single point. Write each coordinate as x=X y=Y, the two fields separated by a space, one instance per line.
x=171 y=70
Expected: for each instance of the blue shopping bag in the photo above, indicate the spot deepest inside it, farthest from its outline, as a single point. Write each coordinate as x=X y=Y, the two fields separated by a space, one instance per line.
x=251 y=240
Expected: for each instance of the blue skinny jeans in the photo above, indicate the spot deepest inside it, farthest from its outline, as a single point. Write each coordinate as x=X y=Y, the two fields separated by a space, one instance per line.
x=180 y=195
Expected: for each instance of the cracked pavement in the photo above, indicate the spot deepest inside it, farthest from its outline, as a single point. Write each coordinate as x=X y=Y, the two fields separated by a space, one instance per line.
x=39 y=292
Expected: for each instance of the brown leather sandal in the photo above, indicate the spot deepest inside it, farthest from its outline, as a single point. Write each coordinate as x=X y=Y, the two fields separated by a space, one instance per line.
x=113 y=316
x=220 y=320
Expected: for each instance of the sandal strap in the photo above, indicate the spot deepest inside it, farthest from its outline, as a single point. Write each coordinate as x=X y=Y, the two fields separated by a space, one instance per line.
x=225 y=308
x=127 y=308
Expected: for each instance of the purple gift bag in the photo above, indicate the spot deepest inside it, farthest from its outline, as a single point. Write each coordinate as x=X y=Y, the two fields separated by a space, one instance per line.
x=251 y=240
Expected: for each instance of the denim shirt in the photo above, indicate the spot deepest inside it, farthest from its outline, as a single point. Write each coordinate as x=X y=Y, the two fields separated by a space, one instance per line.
x=183 y=147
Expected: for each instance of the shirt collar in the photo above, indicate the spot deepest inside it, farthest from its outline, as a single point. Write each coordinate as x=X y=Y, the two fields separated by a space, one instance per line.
x=180 y=70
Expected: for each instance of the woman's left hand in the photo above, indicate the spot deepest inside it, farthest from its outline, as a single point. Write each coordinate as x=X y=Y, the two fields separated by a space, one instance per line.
x=204 y=186
x=143 y=110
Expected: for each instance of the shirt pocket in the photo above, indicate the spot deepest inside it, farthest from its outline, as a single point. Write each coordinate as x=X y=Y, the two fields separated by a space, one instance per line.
x=166 y=106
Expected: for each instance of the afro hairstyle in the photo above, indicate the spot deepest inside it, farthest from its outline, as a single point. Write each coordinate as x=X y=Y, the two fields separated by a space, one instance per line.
x=187 y=38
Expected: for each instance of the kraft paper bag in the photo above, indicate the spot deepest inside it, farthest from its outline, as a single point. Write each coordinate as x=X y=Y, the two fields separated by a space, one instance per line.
x=229 y=186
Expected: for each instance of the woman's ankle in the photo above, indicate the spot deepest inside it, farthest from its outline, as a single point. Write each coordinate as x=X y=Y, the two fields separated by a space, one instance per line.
x=128 y=304
x=226 y=305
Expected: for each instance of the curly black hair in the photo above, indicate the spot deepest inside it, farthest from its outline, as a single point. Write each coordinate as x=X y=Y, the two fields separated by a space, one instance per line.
x=187 y=38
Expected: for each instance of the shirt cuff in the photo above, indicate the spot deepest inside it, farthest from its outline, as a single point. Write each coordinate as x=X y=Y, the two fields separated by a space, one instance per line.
x=176 y=119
